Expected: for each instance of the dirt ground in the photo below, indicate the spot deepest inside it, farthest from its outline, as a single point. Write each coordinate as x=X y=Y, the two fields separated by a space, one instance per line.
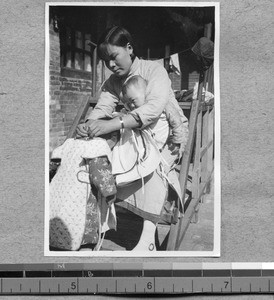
x=198 y=237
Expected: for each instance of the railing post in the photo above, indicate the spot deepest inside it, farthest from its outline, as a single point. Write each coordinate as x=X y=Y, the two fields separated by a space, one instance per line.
x=94 y=72
x=176 y=229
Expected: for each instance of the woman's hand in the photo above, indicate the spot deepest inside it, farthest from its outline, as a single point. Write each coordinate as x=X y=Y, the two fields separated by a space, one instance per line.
x=101 y=127
x=174 y=148
x=94 y=128
x=82 y=130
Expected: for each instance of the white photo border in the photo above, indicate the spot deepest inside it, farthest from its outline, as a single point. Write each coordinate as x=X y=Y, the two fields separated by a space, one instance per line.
x=216 y=252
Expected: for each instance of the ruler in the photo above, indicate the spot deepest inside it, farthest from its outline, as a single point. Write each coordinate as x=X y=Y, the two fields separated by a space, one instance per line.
x=136 y=278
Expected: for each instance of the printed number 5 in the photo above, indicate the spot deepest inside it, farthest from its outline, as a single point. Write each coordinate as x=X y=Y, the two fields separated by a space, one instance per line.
x=73 y=285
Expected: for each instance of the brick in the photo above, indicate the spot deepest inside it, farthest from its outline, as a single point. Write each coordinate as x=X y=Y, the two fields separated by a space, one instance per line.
x=54 y=72
x=70 y=88
x=55 y=67
x=54 y=77
x=55 y=82
x=55 y=47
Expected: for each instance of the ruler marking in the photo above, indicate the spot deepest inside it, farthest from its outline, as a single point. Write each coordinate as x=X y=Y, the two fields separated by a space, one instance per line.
x=209 y=286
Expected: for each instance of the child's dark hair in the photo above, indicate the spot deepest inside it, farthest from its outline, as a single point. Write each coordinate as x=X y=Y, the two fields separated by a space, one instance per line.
x=116 y=36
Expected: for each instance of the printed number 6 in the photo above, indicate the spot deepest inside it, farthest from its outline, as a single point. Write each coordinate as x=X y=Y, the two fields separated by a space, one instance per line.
x=149 y=285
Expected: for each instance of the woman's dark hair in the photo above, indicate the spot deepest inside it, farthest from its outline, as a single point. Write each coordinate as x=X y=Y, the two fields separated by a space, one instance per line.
x=116 y=36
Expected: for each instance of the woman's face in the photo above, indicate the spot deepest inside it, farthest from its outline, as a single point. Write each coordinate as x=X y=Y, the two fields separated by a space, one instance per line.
x=118 y=59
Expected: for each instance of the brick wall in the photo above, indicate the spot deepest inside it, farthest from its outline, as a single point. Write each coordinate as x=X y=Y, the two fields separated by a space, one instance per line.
x=192 y=79
x=65 y=95
x=175 y=81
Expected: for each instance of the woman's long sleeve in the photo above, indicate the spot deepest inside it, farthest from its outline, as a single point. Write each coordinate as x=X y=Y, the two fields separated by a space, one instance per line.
x=107 y=101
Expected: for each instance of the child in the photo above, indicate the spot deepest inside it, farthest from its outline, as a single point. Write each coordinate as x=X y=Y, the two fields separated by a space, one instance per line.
x=134 y=96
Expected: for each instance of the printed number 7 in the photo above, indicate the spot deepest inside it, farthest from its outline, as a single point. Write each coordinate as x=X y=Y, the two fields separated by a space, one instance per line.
x=226 y=284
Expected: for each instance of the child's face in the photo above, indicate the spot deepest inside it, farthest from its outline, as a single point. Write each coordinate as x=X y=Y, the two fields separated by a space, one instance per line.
x=134 y=98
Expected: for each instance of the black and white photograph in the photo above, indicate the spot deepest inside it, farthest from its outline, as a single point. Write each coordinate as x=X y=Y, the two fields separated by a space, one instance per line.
x=132 y=135
x=136 y=149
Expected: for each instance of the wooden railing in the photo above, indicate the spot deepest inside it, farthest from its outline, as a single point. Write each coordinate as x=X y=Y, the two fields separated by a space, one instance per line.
x=80 y=115
x=199 y=148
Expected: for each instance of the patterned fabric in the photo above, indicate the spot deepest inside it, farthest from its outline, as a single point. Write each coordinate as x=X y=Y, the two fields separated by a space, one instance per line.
x=91 y=234
x=70 y=191
x=103 y=182
x=101 y=176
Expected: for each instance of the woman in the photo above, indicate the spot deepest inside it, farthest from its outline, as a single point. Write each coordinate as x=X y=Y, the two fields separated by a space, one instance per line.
x=152 y=203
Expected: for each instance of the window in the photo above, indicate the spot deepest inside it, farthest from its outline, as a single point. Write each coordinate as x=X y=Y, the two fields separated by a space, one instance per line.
x=76 y=53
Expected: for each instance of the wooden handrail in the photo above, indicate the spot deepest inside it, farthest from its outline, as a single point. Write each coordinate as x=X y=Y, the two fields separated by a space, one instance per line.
x=184 y=170
x=81 y=112
x=201 y=178
x=191 y=210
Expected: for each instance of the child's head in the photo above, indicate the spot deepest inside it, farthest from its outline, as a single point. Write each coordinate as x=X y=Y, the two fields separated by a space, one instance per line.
x=134 y=92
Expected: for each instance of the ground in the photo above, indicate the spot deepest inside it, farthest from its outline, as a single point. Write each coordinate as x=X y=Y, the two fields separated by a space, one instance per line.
x=199 y=235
